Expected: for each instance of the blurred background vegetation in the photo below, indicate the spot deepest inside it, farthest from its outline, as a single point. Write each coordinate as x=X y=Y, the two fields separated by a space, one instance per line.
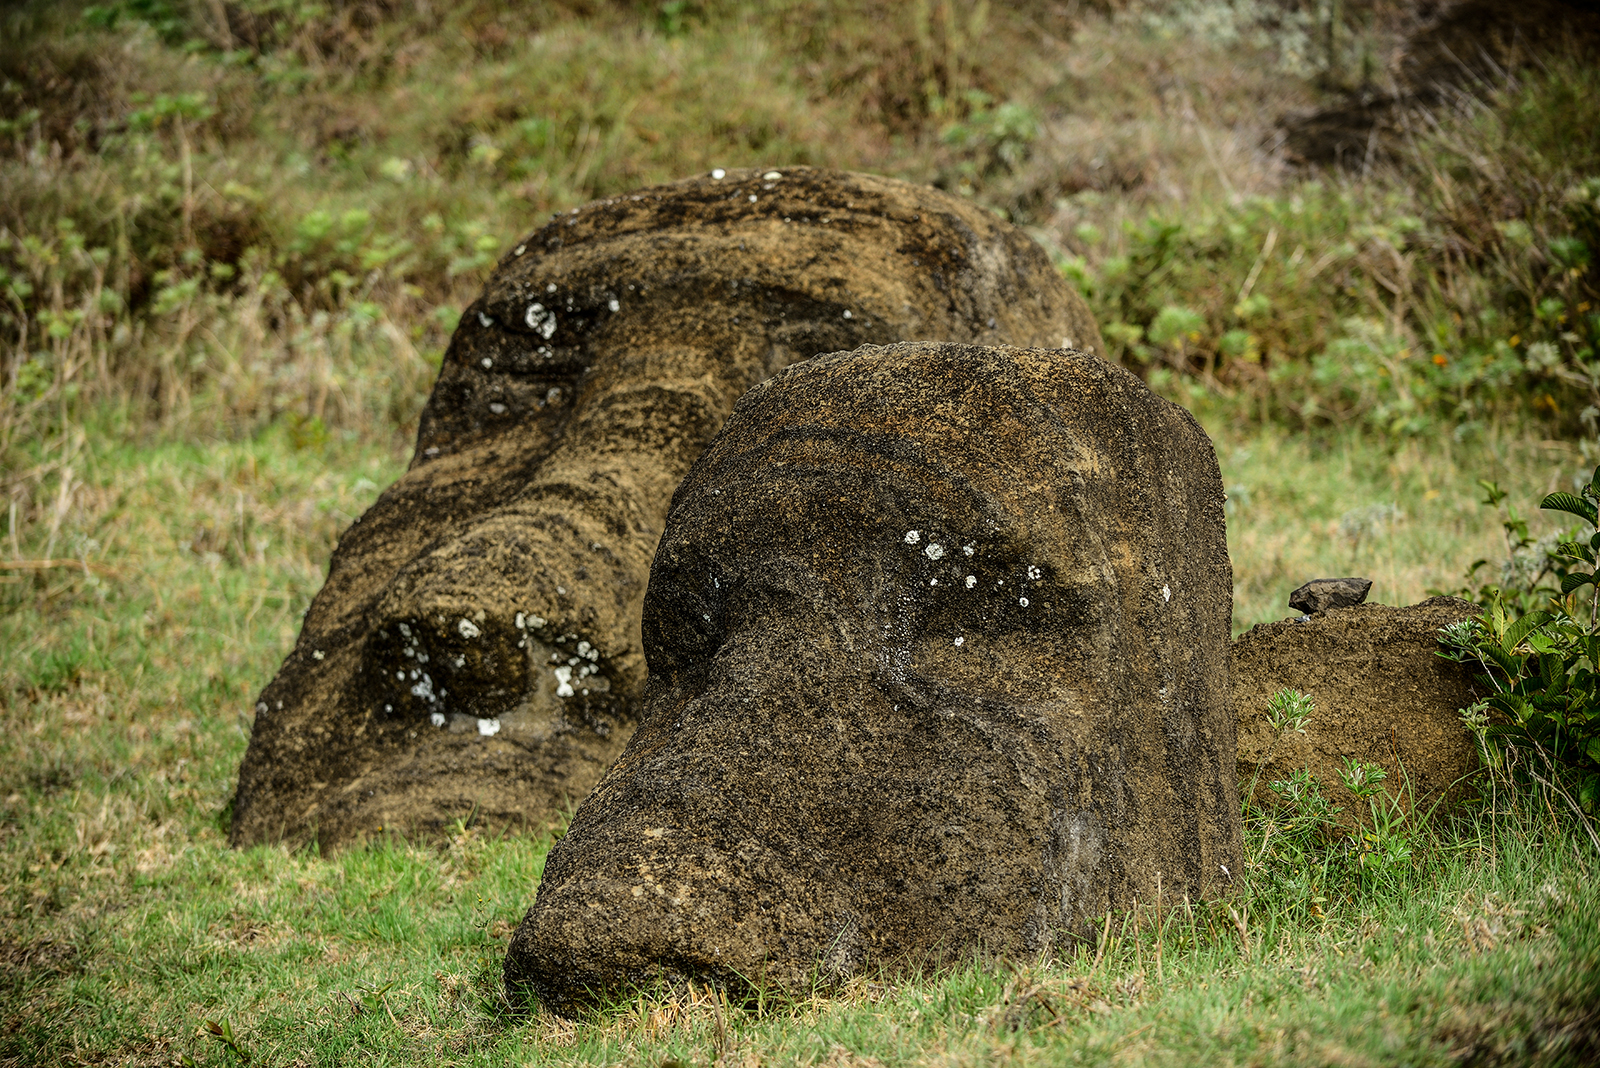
x=219 y=214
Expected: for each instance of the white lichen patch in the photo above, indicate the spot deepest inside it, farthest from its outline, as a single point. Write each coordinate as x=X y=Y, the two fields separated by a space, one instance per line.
x=913 y=536
x=1034 y=573
x=437 y=719
x=752 y=198
x=934 y=551
x=468 y=628
x=614 y=304
x=960 y=640
x=968 y=549
x=1166 y=592
x=563 y=676
x=541 y=319
x=972 y=580
x=488 y=727
x=317 y=654
x=1023 y=601
x=497 y=408
x=487 y=363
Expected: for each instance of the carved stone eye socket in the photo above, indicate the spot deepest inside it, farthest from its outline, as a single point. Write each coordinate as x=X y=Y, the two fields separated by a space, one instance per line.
x=422 y=666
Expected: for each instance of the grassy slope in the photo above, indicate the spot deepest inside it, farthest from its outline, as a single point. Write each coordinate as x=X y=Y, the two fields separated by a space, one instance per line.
x=283 y=397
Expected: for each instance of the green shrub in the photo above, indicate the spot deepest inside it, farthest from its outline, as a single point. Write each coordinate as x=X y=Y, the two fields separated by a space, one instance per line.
x=1542 y=718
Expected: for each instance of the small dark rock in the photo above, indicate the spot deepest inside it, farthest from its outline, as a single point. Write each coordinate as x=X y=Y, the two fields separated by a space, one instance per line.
x=1319 y=595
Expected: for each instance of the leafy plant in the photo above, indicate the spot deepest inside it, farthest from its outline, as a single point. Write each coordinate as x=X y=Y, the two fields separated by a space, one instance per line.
x=1289 y=710
x=223 y=1032
x=1384 y=849
x=1542 y=668
x=1305 y=856
x=1532 y=571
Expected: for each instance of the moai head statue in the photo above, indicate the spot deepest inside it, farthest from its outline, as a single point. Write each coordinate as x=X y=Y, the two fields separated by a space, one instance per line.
x=938 y=643
x=476 y=649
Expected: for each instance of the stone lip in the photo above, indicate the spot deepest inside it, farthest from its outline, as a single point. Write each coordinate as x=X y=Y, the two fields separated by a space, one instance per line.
x=1320 y=595
x=938 y=662
x=1382 y=694
x=475 y=651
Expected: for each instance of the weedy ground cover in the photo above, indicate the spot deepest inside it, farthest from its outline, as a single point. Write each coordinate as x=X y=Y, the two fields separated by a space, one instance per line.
x=235 y=239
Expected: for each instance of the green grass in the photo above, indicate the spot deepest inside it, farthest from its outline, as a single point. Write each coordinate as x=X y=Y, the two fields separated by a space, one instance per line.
x=126 y=924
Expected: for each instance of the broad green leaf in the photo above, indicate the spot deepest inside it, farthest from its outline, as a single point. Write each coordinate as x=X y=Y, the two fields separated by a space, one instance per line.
x=1589 y=794
x=1574 y=580
x=1553 y=672
x=1519 y=630
x=1509 y=663
x=1569 y=502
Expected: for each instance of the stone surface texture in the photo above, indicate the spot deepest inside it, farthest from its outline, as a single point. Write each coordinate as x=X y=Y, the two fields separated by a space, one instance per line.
x=1319 y=595
x=938 y=642
x=1381 y=695
x=475 y=651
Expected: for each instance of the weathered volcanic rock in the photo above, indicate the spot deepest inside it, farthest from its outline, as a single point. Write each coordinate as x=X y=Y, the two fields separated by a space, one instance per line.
x=476 y=648
x=938 y=660
x=1319 y=595
x=1381 y=694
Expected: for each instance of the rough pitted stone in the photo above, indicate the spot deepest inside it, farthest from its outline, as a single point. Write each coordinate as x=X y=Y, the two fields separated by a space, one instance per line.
x=1381 y=694
x=1319 y=595
x=495 y=589
x=938 y=646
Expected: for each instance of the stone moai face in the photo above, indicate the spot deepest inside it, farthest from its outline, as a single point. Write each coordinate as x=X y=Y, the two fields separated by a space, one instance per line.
x=938 y=643
x=476 y=649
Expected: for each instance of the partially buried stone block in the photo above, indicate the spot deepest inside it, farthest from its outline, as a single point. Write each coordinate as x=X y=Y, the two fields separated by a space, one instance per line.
x=1382 y=695
x=938 y=661
x=475 y=651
